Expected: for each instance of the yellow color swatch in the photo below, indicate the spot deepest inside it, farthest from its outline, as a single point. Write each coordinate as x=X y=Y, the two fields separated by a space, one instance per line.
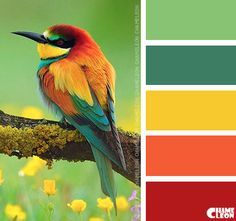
x=191 y=110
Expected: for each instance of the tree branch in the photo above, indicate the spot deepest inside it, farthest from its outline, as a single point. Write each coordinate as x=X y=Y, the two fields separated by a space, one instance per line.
x=51 y=140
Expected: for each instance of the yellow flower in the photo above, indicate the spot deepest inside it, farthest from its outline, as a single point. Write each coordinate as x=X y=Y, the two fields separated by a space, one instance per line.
x=1 y=177
x=49 y=187
x=77 y=206
x=15 y=212
x=122 y=203
x=96 y=219
x=32 y=167
x=105 y=204
x=32 y=112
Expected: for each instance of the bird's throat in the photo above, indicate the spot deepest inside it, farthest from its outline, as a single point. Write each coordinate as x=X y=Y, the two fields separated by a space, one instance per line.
x=46 y=62
x=47 y=51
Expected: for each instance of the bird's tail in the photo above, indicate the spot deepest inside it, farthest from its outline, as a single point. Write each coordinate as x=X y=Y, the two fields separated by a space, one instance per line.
x=106 y=175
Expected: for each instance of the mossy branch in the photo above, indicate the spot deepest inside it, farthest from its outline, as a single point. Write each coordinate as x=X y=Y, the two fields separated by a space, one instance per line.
x=51 y=140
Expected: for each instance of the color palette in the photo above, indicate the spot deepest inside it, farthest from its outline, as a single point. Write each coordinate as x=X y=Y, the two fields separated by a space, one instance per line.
x=190 y=109
x=190 y=20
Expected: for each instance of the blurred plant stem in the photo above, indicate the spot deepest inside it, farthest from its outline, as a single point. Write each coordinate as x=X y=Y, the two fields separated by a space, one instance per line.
x=109 y=216
x=28 y=202
x=50 y=209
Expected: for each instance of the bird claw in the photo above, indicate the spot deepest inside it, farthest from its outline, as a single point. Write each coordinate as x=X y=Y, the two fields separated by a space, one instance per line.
x=64 y=122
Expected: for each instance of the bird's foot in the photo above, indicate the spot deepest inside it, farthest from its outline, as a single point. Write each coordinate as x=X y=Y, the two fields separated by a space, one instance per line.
x=64 y=122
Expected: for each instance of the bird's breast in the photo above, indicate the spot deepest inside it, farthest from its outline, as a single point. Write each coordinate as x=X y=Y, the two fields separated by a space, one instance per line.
x=61 y=98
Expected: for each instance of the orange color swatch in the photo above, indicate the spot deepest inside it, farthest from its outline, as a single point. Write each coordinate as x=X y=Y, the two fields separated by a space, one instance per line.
x=191 y=156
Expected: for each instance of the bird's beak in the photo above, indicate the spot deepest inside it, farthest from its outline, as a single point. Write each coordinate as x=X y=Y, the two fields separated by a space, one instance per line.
x=33 y=36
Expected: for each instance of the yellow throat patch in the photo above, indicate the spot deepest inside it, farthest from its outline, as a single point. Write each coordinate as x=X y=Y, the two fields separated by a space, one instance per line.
x=49 y=51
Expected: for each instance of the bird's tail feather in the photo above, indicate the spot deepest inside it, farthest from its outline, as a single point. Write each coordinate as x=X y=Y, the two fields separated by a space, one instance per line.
x=106 y=175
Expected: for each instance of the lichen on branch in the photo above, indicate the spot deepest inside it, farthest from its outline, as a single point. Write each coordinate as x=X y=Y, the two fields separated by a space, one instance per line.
x=39 y=139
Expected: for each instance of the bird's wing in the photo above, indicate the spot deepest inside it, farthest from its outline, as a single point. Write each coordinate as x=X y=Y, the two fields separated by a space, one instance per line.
x=66 y=85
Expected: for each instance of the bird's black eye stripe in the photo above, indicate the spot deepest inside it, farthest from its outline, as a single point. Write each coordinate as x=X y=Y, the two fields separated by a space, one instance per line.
x=62 y=43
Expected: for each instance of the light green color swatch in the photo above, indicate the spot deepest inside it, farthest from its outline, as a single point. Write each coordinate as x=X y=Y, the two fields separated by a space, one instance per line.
x=191 y=19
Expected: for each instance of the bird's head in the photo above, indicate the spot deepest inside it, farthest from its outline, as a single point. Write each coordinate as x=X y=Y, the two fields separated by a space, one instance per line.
x=58 y=40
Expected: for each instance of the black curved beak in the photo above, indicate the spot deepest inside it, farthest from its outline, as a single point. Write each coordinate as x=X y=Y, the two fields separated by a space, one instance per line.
x=33 y=36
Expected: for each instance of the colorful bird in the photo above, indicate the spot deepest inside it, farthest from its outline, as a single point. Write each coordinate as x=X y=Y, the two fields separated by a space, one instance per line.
x=78 y=82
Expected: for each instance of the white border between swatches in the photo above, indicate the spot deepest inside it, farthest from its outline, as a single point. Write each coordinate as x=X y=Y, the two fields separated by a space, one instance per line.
x=191 y=179
x=190 y=42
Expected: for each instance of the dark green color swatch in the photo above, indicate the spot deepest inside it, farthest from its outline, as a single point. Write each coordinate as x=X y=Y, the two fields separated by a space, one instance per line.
x=191 y=19
x=191 y=65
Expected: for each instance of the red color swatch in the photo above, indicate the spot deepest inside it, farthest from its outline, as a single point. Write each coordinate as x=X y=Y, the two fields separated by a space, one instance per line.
x=185 y=201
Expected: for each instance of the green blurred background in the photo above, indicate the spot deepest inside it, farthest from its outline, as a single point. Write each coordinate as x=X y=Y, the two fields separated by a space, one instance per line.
x=111 y=23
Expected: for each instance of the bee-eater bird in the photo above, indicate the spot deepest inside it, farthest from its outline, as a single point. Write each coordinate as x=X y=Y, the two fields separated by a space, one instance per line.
x=78 y=81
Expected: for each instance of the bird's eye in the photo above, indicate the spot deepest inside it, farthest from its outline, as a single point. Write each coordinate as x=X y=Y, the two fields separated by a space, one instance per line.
x=60 y=42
